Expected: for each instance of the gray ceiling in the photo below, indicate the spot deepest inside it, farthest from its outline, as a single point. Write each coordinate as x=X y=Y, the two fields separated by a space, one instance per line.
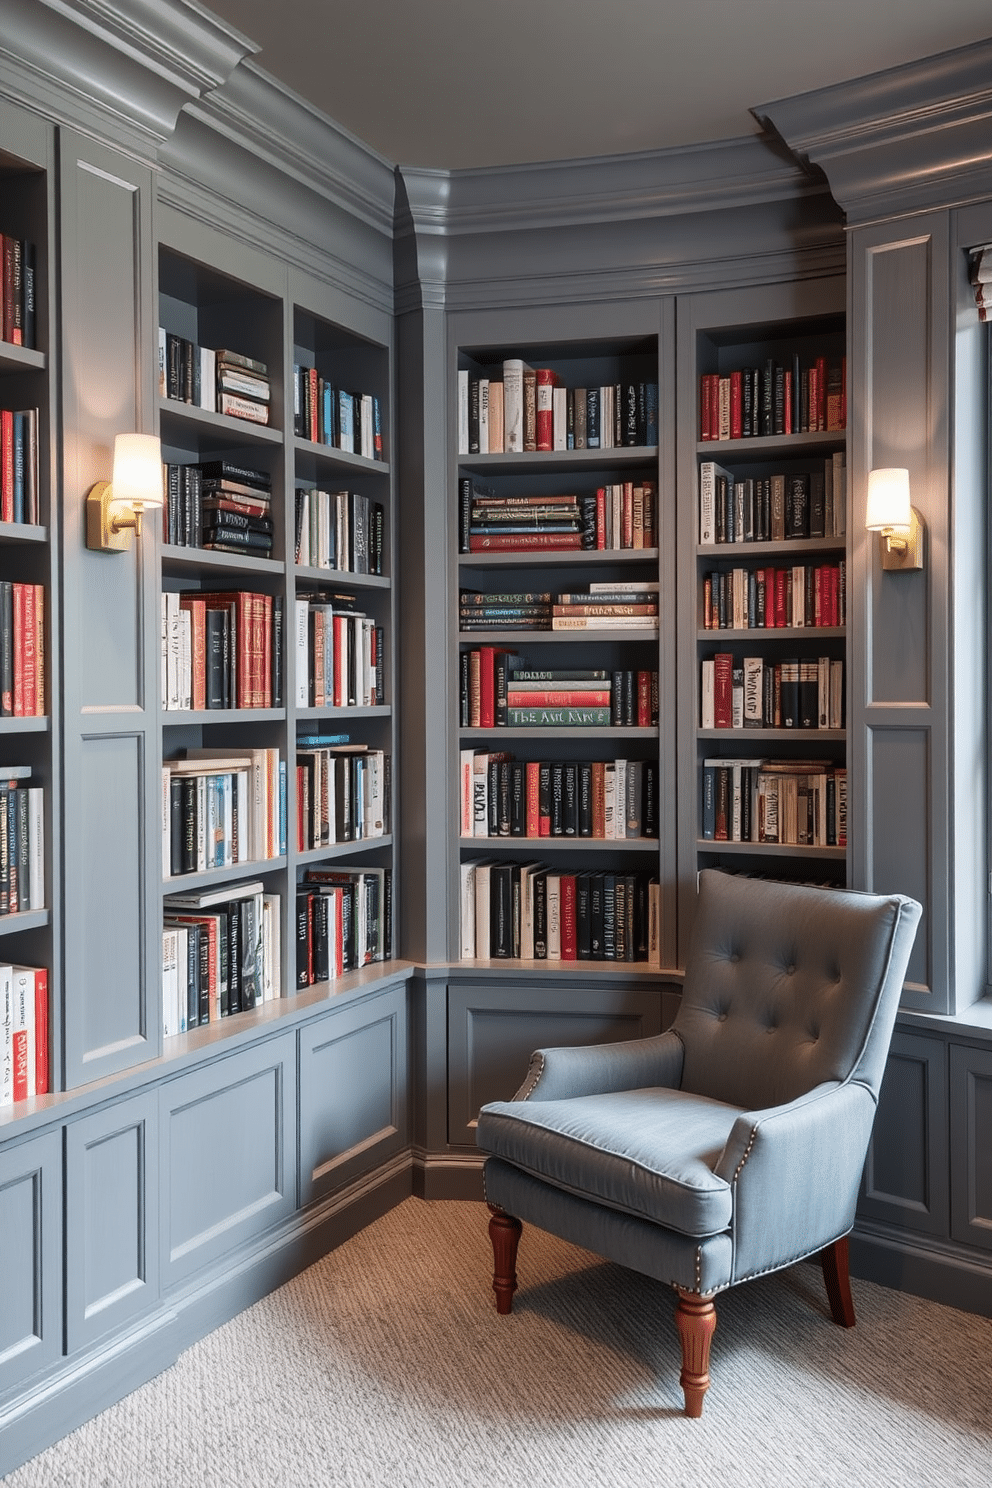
x=454 y=83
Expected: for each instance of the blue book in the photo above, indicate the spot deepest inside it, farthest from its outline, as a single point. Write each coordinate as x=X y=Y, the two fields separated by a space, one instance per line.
x=327 y=415
x=346 y=421
x=651 y=432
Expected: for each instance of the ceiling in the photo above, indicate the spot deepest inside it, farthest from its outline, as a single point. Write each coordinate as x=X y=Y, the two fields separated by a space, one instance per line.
x=458 y=83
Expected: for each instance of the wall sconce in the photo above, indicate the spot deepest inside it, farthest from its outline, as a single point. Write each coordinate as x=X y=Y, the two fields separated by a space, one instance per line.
x=114 y=507
x=890 y=514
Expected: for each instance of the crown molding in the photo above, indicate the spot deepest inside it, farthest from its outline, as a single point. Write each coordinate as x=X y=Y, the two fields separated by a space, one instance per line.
x=115 y=75
x=913 y=138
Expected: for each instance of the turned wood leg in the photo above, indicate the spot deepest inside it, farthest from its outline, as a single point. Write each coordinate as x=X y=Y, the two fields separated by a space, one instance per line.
x=834 y=1262
x=696 y=1320
x=504 y=1232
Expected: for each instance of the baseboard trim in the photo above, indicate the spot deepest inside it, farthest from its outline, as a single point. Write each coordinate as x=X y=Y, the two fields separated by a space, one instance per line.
x=934 y=1269
x=79 y=1388
x=448 y=1176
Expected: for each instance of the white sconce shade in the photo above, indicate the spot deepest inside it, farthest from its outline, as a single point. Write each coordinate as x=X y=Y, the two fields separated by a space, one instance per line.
x=888 y=500
x=137 y=477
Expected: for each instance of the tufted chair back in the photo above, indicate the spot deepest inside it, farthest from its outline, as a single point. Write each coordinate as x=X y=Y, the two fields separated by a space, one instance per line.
x=787 y=987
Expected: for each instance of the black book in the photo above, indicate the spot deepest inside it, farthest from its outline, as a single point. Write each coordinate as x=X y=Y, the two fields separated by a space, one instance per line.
x=303 y=920
x=175 y=826
x=349 y=929
x=583 y=921
x=503 y=799
x=464 y=513
x=592 y=418
x=502 y=662
x=766 y=418
x=29 y=318
x=518 y=798
x=817 y=505
x=539 y=888
x=797 y=507
x=189 y=824
x=236 y=521
x=778 y=399
x=557 y=799
x=235 y=540
x=570 y=800
x=649 y=799
x=620 y=951
x=464 y=689
x=544 y=791
x=808 y=694
x=473 y=415
x=616 y=699
x=277 y=666
x=239 y=994
x=230 y=470
x=194 y=935
x=585 y=798
x=216 y=647
x=632 y=418
x=387 y=913
x=790 y=693
x=610 y=916
x=321 y=943
x=596 y=921
x=501 y=911
x=203 y=981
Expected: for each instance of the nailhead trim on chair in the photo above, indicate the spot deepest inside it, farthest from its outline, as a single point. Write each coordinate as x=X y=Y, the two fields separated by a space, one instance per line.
x=533 y=1077
x=747 y=1152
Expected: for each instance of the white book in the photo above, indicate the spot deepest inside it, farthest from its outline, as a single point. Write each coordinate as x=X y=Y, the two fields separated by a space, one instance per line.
x=482 y=910
x=527 y=871
x=463 y=411
x=619 y=798
x=6 y=1035
x=272 y=930
x=709 y=474
x=368 y=438
x=554 y=916
x=466 y=884
x=480 y=794
x=559 y=418
x=754 y=679
x=707 y=695
x=169 y=984
x=201 y=823
x=654 y=923
x=24 y=1033
x=610 y=800
x=36 y=847
x=182 y=978
x=185 y=682
x=172 y=649
x=208 y=379
x=161 y=362
x=513 y=405
x=467 y=790
x=301 y=634
x=166 y=821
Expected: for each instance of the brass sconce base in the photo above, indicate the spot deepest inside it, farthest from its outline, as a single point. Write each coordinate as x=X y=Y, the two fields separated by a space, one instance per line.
x=107 y=530
x=902 y=550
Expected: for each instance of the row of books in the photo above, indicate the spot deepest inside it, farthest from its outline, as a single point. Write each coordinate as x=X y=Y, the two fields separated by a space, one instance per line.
x=498 y=690
x=774 y=398
x=19 y=466
x=750 y=692
x=221 y=649
x=339 y=529
x=23 y=650
x=799 y=803
x=24 y=1063
x=773 y=508
x=221 y=807
x=529 y=409
x=802 y=595
x=980 y=278
x=529 y=911
x=22 y=841
x=18 y=267
x=326 y=414
x=343 y=922
x=219 y=505
x=605 y=799
x=220 y=954
x=601 y=606
x=342 y=794
x=622 y=515
x=219 y=380
x=339 y=654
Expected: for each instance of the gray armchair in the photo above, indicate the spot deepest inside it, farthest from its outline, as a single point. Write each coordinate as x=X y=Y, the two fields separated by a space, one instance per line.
x=733 y=1144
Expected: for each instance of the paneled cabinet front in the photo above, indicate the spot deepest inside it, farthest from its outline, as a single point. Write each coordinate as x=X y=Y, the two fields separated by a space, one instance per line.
x=353 y=1091
x=111 y=1199
x=493 y=1030
x=971 y=1145
x=905 y=1180
x=31 y=1241
x=228 y=1134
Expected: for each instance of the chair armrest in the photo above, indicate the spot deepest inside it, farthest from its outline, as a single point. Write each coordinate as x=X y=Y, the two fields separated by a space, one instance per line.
x=558 y=1074
x=795 y=1171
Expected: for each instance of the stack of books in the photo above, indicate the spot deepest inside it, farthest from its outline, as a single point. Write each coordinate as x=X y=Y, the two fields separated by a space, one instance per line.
x=222 y=807
x=608 y=606
x=243 y=389
x=221 y=649
x=19 y=465
x=750 y=692
x=23 y=1033
x=508 y=610
x=343 y=922
x=339 y=658
x=342 y=794
x=774 y=398
x=798 y=803
x=23 y=650
x=220 y=954
x=325 y=414
x=17 y=282
x=22 y=841
x=220 y=505
x=221 y=381
x=604 y=799
x=529 y=409
x=345 y=530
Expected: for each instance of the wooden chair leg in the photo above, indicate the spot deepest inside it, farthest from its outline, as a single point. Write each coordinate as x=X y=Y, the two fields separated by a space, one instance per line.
x=504 y=1232
x=835 y=1275
x=695 y=1317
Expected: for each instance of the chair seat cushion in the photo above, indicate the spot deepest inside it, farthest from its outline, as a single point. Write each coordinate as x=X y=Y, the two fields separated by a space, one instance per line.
x=645 y=1152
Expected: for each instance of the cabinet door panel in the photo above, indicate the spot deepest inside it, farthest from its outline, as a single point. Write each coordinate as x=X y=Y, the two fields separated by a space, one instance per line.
x=905 y=1180
x=31 y=1227
x=493 y=1031
x=353 y=1092
x=971 y=1145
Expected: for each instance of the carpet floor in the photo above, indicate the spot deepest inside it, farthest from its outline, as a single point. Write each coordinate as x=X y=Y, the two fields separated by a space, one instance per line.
x=385 y=1363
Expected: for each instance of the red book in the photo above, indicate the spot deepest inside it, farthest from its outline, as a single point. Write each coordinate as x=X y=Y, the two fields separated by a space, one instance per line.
x=314 y=432
x=521 y=542
x=41 y=1030
x=821 y=393
x=7 y=466
x=198 y=646
x=487 y=687
x=568 y=931
x=601 y=517
x=709 y=412
x=557 y=698
x=532 y=820
x=780 y=578
x=723 y=673
x=547 y=381
x=736 y=406
x=788 y=426
x=627 y=515
x=30 y=705
x=644 y=699
x=19 y=650
x=599 y=798
x=301 y=844
x=340 y=698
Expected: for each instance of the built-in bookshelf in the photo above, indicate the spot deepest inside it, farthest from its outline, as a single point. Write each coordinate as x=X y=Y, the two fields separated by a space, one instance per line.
x=556 y=516
x=764 y=473
x=277 y=719
x=30 y=1025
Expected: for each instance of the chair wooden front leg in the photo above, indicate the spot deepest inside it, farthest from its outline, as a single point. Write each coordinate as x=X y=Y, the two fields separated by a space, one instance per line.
x=504 y=1232
x=834 y=1261
x=696 y=1319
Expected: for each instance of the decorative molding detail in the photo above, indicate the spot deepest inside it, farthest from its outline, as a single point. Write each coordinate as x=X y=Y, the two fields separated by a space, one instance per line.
x=912 y=138
x=117 y=77
x=270 y=122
